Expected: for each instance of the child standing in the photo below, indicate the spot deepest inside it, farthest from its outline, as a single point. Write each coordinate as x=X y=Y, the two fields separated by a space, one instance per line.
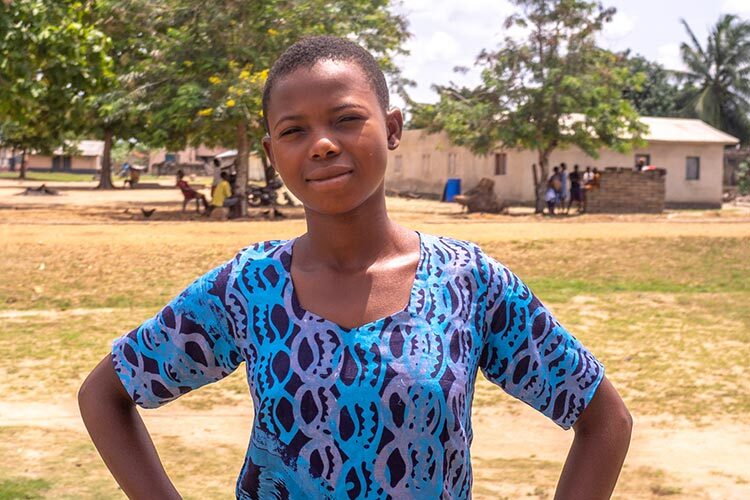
x=361 y=338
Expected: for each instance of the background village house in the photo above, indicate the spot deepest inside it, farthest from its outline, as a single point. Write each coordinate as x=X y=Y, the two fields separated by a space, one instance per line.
x=690 y=151
x=86 y=158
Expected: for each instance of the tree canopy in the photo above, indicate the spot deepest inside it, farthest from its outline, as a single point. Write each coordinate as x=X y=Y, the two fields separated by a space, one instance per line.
x=51 y=59
x=657 y=93
x=718 y=76
x=552 y=89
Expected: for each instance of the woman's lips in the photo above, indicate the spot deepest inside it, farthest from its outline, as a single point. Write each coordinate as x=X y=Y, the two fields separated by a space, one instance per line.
x=330 y=183
x=329 y=176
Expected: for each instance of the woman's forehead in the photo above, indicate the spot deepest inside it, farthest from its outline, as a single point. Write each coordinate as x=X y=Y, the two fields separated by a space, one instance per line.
x=326 y=81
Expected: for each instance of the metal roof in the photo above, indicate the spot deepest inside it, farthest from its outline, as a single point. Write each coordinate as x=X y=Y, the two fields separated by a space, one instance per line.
x=684 y=130
x=85 y=148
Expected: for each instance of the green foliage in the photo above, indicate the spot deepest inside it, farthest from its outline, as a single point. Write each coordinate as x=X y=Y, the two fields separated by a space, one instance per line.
x=553 y=89
x=743 y=178
x=654 y=93
x=51 y=60
x=213 y=59
x=717 y=76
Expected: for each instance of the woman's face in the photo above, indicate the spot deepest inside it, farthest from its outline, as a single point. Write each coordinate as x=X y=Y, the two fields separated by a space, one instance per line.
x=329 y=136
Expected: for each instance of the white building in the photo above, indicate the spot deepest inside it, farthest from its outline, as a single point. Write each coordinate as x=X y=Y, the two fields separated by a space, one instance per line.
x=690 y=150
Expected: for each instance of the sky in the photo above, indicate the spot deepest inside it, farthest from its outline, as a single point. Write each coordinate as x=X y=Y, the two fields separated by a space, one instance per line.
x=450 y=33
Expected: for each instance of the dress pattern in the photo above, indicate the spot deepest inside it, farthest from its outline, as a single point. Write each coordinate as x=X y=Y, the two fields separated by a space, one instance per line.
x=378 y=411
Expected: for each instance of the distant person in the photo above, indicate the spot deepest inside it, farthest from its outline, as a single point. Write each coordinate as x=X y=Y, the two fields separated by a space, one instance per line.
x=189 y=193
x=216 y=175
x=576 y=190
x=222 y=196
x=640 y=165
x=597 y=177
x=588 y=176
x=552 y=194
x=563 y=185
x=134 y=176
x=588 y=185
x=124 y=170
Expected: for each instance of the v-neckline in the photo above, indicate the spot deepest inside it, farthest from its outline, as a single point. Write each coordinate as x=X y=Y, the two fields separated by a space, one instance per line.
x=417 y=278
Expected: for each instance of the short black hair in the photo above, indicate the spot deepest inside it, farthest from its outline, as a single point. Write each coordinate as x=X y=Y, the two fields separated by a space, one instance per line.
x=310 y=50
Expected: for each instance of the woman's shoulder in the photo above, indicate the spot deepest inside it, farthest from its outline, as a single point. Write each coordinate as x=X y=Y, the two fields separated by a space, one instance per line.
x=446 y=251
x=263 y=251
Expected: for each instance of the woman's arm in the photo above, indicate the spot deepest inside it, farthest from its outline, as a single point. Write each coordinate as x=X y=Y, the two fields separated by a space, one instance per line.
x=121 y=437
x=602 y=437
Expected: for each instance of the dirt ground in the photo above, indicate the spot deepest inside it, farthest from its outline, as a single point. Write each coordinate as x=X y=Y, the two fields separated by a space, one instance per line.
x=671 y=455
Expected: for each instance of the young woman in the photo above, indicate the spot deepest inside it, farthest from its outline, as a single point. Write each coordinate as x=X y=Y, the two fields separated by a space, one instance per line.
x=361 y=339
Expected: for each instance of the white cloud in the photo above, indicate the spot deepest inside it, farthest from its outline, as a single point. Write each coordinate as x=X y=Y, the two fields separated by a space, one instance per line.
x=622 y=25
x=741 y=7
x=669 y=56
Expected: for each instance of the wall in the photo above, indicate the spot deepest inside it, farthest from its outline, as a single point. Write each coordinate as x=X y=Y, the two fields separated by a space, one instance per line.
x=623 y=190
x=78 y=164
x=517 y=186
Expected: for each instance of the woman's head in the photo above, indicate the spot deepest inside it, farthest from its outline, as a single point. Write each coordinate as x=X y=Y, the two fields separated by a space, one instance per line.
x=311 y=50
x=329 y=127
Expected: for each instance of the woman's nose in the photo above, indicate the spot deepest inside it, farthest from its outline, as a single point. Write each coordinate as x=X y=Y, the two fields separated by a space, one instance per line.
x=324 y=147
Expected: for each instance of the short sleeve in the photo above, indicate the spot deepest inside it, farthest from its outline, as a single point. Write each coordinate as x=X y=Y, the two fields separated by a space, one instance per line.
x=530 y=355
x=188 y=344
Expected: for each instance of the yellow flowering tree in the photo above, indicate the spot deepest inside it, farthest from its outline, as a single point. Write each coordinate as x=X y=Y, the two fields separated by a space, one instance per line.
x=209 y=70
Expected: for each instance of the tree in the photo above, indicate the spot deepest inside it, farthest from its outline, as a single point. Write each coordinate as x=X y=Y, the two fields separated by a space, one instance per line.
x=118 y=108
x=212 y=60
x=50 y=60
x=553 y=89
x=656 y=94
x=717 y=76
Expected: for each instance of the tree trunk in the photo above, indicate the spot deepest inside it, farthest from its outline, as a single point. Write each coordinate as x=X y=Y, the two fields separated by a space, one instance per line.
x=243 y=151
x=540 y=180
x=105 y=179
x=22 y=171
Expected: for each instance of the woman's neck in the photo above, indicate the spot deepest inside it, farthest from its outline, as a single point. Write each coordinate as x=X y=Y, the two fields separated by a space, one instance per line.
x=352 y=241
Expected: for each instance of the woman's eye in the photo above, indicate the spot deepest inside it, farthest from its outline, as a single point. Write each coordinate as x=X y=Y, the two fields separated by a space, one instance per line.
x=349 y=118
x=289 y=131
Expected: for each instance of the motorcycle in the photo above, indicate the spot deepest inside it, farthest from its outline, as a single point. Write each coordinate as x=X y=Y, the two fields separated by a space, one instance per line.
x=266 y=195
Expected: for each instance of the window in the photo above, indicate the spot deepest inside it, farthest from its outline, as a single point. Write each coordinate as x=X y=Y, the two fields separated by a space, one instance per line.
x=452 y=163
x=693 y=168
x=425 y=163
x=500 y=163
x=642 y=160
x=399 y=164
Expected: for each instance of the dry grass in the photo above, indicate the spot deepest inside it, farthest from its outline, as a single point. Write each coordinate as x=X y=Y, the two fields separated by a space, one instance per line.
x=661 y=300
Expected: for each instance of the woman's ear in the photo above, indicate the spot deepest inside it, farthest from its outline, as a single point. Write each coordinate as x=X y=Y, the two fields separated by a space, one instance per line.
x=394 y=122
x=267 y=148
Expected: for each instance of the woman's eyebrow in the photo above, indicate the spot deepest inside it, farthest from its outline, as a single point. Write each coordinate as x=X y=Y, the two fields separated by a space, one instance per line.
x=285 y=118
x=348 y=105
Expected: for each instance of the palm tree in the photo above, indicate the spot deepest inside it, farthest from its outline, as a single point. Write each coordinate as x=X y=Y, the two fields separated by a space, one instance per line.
x=718 y=76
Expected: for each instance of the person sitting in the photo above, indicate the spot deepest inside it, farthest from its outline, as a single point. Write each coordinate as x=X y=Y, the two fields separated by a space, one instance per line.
x=134 y=176
x=222 y=195
x=189 y=193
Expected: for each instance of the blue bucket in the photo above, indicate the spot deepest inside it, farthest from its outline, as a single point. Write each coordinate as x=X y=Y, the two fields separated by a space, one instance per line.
x=452 y=188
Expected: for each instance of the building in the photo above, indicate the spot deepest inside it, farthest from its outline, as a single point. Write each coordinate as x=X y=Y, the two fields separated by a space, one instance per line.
x=86 y=159
x=691 y=152
x=199 y=160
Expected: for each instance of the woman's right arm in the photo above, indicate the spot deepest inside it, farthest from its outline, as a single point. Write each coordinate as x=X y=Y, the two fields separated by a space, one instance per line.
x=120 y=436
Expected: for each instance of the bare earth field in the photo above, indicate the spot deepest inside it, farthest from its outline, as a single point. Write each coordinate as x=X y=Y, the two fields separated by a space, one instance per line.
x=661 y=300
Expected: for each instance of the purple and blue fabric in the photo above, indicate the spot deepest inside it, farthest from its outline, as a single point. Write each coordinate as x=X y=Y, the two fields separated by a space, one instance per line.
x=378 y=411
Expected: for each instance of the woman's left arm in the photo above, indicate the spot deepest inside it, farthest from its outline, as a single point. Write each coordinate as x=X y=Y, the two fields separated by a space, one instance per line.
x=602 y=437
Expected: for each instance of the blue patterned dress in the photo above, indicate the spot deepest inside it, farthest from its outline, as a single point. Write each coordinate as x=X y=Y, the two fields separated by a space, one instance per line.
x=378 y=411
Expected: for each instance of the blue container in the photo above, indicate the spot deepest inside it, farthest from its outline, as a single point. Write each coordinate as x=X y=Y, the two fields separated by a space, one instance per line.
x=452 y=188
